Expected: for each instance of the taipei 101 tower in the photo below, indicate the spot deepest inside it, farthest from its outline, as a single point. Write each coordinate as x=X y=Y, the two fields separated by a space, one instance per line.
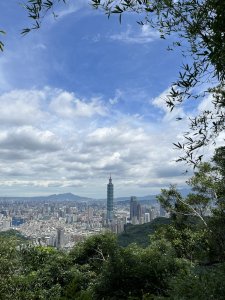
x=110 y=200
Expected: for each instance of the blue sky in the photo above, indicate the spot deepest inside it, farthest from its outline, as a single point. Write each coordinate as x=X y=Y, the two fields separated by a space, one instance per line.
x=84 y=97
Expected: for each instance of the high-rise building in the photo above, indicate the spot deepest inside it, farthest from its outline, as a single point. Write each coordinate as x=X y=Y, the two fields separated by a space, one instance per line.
x=110 y=200
x=133 y=207
x=90 y=212
x=147 y=217
x=135 y=210
x=152 y=213
x=139 y=214
x=60 y=238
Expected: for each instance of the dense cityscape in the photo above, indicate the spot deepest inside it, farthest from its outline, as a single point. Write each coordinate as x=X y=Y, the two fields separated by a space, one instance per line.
x=63 y=223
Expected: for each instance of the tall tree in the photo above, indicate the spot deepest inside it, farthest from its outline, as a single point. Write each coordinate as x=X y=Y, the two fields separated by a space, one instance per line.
x=219 y=166
x=203 y=186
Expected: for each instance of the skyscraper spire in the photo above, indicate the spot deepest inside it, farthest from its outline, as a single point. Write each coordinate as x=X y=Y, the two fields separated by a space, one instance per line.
x=110 y=199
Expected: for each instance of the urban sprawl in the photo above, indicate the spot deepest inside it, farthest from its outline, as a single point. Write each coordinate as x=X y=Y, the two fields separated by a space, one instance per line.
x=63 y=223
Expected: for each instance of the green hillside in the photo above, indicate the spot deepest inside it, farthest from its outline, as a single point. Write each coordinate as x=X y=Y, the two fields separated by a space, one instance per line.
x=139 y=234
x=13 y=234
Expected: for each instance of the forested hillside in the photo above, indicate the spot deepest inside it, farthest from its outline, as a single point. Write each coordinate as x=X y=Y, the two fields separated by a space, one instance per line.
x=140 y=234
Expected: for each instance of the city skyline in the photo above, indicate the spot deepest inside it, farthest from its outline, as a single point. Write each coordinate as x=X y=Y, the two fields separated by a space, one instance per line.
x=78 y=101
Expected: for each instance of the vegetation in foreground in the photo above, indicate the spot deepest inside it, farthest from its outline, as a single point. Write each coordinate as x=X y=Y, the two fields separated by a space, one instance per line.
x=139 y=234
x=184 y=259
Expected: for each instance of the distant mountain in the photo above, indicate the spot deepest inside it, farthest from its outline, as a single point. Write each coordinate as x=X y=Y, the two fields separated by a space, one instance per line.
x=71 y=197
x=67 y=196
x=52 y=198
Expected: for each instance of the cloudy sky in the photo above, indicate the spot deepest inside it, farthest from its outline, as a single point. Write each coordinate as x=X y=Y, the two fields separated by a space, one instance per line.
x=81 y=98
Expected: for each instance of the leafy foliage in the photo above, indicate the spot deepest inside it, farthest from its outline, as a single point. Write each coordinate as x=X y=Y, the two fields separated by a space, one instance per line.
x=37 y=10
x=133 y=271
x=9 y=265
x=200 y=283
x=1 y=43
x=199 y=29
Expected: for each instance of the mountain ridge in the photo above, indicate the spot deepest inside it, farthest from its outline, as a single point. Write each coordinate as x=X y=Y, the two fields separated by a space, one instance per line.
x=73 y=197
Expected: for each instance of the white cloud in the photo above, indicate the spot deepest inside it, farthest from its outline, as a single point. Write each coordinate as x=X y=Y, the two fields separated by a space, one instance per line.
x=116 y=98
x=21 y=107
x=206 y=104
x=144 y=35
x=61 y=142
x=40 y=46
x=68 y=106
x=4 y=84
x=70 y=8
x=42 y=183
x=29 y=138
x=160 y=102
